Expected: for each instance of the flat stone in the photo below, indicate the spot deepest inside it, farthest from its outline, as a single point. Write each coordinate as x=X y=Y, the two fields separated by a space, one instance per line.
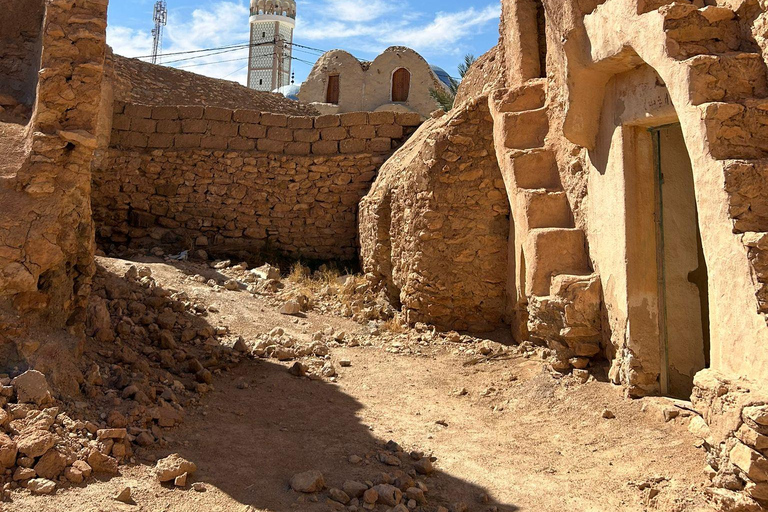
x=174 y=465
x=31 y=387
x=309 y=481
x=124 y=495
x=41 y=486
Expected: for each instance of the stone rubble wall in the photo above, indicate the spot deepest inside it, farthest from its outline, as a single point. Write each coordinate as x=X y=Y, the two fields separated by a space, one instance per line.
x=225 y=180
x=46 y=231
x=733 y=428
x=435 y=225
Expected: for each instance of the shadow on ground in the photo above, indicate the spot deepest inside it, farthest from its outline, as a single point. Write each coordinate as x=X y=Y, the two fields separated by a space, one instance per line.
x=250 y=442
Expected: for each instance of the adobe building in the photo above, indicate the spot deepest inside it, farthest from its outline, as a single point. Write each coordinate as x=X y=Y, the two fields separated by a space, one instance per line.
x=398 y=80
x=600 y=189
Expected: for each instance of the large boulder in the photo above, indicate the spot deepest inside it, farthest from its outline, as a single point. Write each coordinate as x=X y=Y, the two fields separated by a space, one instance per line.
x=31 y=387
x=174 y=465
x=34 y=443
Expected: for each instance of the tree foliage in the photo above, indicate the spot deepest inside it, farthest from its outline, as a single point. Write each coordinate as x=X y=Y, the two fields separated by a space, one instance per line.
x=446 y=97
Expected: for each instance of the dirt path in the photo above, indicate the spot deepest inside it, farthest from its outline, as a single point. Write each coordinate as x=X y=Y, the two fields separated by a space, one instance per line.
x=506 y=435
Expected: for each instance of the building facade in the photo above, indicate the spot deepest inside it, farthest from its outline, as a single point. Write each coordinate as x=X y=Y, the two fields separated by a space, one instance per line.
x=398 y=80
x=272 y=23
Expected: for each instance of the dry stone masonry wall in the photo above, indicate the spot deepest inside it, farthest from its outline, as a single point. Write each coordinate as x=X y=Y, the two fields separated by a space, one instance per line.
x=229 y=180
x=434 y=228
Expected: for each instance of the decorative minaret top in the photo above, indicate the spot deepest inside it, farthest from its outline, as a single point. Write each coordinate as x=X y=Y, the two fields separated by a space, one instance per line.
x=272 y=23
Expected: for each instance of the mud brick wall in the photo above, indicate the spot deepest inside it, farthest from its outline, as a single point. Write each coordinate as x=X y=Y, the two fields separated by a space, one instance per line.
x=230 y=180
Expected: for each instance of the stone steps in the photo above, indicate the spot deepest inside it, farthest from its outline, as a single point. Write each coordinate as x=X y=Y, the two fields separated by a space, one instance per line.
x=551 y=252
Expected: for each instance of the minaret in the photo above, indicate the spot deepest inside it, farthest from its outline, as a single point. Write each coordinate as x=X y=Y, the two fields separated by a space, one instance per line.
x=272 y=23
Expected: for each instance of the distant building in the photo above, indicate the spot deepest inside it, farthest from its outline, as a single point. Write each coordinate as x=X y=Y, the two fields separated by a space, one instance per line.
x=398 y=80
x=269 y=63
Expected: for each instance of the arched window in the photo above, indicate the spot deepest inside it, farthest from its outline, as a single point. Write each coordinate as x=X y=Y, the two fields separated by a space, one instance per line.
x=332 y=94
x=401 y=85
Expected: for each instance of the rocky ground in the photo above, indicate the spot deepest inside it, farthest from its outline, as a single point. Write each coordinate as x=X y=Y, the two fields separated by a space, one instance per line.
x=302 y=391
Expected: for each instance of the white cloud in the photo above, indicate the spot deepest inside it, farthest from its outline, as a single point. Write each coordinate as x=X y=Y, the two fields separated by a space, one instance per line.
x=444 y=31
x=221 y=24
x=357 y=10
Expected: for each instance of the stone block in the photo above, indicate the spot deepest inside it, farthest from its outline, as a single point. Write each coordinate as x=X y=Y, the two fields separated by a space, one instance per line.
x=550 y=252
x=194 y=126
x=165 y=113
x=253 y=131
x=218 y=114
x=133 y=139
x=535 y=170
x=337 y=133
x=300 y=122
x=325 y=147
x=272 y=146
x=138 y=111
x=380 y=145
x=408 y=118
x=214 y=142
x=546 y=209
x=269 y=119
x=752 y=463
x=393 y=131
x=306 y=135
x=187 y=140
x=223 y=129
x=191 y=112
x=348 y=146
x=377 y=118
x=246 y=116
x=280 y=134
x=242 y=144
x=354 y=118
x=525 y=130
x=143 y=125
x=298 y=148
x=366 y=131
x=168 y=126
x=160 y=140
x=328 y=121
x=121 y=122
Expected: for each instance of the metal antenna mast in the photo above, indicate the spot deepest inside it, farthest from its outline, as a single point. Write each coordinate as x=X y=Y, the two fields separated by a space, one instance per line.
x=160 y=17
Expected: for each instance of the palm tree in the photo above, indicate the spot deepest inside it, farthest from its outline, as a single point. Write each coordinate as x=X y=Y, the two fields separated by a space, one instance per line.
x=446 y=97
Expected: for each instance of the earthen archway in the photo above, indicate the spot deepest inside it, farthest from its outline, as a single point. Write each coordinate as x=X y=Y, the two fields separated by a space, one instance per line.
x=595 y=56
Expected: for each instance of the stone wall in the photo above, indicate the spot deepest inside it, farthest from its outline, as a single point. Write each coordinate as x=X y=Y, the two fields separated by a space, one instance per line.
x=435 y=226
x=46 y=231
x=230 y=180
x=20 y=46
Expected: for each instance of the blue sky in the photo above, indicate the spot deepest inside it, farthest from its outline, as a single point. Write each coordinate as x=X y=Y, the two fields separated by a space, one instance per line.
x=443 y=31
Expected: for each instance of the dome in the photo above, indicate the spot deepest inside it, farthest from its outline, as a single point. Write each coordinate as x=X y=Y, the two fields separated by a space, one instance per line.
x=442 y=75
x=289 y=91
x=273 y=7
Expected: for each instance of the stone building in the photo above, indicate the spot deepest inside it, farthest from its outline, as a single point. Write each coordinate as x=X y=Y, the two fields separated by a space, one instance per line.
x=398 y=80
x=630 y=139
x=599 y=188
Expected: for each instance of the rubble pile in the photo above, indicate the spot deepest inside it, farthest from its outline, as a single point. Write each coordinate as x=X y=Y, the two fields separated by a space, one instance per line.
x=397 y=481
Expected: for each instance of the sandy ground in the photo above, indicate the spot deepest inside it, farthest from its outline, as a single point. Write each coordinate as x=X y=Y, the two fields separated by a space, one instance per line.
x=506 y=434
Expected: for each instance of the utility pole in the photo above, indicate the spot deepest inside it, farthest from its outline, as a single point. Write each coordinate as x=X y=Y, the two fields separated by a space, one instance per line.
x=160 y=17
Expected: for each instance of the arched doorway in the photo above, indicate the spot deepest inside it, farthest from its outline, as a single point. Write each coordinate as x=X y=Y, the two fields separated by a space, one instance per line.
x=401 y=85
